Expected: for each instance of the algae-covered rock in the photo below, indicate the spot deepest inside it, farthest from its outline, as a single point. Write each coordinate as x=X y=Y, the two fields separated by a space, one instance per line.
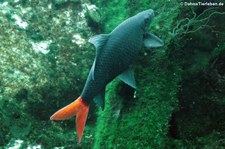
x=201 y=96
x=42 y=67
x=143 y=120
x=180 y=97
x=93 y=13
x=64 y=3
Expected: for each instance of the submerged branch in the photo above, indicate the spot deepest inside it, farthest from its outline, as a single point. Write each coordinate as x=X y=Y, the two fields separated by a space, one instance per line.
x=196 y=23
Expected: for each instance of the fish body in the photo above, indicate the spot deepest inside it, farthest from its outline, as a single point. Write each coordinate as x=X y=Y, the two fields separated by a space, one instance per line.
x=114 y=54
x=118 y=51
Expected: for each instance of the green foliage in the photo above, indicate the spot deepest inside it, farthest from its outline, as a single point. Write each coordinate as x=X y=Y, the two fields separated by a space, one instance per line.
x=111 y=15
x=13 y=117
x=218 y=51
x=203 y=89
x=34 y=85
x=143 y=118
x=214 y=140
x=200 y=119
x=105 y=135
x=151 y=114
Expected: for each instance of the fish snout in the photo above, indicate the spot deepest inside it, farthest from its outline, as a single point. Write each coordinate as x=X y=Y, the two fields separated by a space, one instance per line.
x=149 y=17
x=151 y=13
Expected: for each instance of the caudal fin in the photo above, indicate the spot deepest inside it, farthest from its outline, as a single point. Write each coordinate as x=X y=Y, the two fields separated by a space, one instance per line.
x=77 y=108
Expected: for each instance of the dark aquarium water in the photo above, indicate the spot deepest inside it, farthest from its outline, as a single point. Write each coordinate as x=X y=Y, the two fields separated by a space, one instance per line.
x=179 y=74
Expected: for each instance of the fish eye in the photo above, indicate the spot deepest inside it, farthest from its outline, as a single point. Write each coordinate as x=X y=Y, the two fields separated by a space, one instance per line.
x=147 y=19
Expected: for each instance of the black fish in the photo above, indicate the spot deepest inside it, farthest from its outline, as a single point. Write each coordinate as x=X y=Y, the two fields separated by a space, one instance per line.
x=114 y=54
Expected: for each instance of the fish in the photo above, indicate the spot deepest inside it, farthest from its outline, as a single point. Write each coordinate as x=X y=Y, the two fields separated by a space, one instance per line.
x=114 y=54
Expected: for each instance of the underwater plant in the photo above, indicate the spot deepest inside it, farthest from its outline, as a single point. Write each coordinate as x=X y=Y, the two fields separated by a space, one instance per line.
x=195 y=23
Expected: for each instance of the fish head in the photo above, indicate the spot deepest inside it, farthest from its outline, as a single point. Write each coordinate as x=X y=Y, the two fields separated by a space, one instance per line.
x=145 y=18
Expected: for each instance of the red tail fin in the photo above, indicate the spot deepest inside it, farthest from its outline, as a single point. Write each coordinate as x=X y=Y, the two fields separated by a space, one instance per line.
x=78 y=108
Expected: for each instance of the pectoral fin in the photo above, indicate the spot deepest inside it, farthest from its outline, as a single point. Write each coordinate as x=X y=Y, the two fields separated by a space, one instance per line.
x=128 y=78
x=152 y=41
x=100 y=99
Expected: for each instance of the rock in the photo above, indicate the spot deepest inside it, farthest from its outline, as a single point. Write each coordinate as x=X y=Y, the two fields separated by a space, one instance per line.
x=93 y=12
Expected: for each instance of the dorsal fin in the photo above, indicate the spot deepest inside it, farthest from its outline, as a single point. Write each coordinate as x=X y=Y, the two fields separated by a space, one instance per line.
x=98 y=41
x=92 y=69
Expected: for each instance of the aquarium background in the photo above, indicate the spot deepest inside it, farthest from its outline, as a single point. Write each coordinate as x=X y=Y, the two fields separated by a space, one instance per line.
x=45 y=58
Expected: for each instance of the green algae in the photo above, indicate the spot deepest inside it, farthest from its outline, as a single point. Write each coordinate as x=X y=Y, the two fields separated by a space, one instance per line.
x=104 y=135
x=147 y=118
x=33 y=83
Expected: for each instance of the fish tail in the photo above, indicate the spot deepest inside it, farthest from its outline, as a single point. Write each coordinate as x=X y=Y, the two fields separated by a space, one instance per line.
x=77 y=108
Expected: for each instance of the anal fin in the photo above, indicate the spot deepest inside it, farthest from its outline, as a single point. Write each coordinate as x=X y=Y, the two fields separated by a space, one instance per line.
x=100 y=99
